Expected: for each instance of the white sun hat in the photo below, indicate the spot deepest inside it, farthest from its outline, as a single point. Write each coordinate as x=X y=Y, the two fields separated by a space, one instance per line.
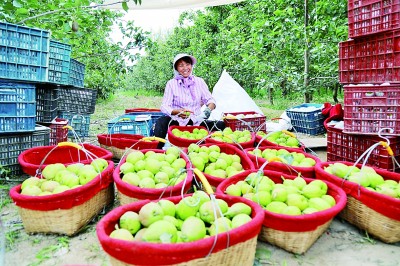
x=180 y=56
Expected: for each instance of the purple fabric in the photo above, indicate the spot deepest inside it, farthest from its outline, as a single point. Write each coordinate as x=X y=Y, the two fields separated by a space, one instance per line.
x=190 y=93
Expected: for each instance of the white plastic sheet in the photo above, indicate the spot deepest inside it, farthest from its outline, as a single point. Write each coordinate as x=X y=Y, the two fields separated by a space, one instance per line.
x=231 y=97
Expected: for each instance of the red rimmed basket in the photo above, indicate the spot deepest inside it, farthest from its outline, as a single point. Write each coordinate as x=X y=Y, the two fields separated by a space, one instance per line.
x=228 y=149
x=281 y=167
x=127 y=193
x=243 y=145
x=117 y=143
x=295 y=234
x=375 y=213
x=235 y=247
x=261 y=142
x=67 y=212
x=183 y=142
x=31 y=159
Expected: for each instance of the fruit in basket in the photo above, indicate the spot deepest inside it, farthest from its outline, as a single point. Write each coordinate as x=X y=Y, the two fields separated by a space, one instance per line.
x=70 y=180
x=50 y=171
x=150 y=213
x=134 y=156
x=49 y=185
x=193 y=228
x=122 y=234
x=365 y=177
x=99 y=164
x=196 y=134
x=31 y=181
x=158 y=227
x=229 y=136
x=31 y=191
x=161 y=231
x=75 y=167
x=130 y=221
x=290 y=158
x=86 y=174
x=282 y=138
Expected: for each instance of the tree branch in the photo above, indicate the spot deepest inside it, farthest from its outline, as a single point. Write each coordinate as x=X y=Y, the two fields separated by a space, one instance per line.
x=94 y=6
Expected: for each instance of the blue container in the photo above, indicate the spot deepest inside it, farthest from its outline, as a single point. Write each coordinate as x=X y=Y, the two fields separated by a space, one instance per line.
x=59 y=62
x=139 y=124
x=79 y=122
x=76 y=73
x=307 y=121
x=17 y=107
x=24 y=52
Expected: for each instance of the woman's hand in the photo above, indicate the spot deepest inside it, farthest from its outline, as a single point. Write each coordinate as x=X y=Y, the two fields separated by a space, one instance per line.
x=182 y=113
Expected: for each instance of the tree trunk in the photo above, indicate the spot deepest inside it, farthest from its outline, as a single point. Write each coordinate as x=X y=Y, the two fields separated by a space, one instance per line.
x=270 y=95
x=307 y=95
x=335 y=93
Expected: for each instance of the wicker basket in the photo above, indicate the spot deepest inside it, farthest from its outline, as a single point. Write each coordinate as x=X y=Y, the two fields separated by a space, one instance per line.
x=31 y=159
x=183 y=142
x=128 y=193
x=281 y=167
x=236 y=247
x=295 y=234
x=67 y=212
x=375 y=213
x=117 y=143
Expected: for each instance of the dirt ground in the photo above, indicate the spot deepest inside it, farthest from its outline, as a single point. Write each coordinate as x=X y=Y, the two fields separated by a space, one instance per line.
x=342 y=244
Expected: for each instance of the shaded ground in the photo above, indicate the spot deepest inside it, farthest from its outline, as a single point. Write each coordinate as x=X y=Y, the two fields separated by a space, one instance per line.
x=341 y=244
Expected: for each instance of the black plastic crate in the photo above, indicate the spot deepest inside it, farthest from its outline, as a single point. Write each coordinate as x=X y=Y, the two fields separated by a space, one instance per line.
x=76 y=100
x=11 y=146
x=46 y=103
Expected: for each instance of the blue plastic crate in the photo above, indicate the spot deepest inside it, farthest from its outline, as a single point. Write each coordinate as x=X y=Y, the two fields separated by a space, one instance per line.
x=59 y=62
x=76 y=73
x=307 y=121
x=24 y=52
x=17 y=107
x=154 y=118
x=79 y=122
x=11 y=145
x=137 y=124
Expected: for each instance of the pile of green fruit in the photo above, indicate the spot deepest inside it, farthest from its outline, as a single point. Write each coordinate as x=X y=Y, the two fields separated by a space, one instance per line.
x=152 y=169
x=229 y=136
x=57 y=177
x=292 y=197
x=366 y=177
x=286 y=157
x=196 y=134
x=189 y=220
x=210 y=160
x=282 y=138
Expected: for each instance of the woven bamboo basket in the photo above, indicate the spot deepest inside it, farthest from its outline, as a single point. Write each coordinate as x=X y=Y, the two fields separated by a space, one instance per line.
x=377 y=214
x=127 y=193
x=295 y=234
x=67 y=212
x=376 y=224
x=235 y=247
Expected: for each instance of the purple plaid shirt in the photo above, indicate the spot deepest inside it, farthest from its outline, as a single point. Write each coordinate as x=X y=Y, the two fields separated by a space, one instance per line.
x=190 y=93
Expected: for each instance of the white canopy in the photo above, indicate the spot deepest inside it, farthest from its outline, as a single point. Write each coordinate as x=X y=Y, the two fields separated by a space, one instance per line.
x=166 y=4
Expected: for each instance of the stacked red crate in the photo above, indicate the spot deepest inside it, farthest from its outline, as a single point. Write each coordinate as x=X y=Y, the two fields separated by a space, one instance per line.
x=369 y=69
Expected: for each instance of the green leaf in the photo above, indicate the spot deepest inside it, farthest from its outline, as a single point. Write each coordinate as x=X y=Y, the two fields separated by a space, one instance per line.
x=77 y=3
x=17 y=4
x=125 y=6
x=22 y=11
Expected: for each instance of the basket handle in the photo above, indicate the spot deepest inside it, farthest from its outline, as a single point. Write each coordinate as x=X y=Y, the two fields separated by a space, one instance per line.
x=204 y=181
x=71 y=144
x=155 y=138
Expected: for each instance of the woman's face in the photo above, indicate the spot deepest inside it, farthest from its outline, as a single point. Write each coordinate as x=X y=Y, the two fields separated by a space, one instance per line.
x=184 y=68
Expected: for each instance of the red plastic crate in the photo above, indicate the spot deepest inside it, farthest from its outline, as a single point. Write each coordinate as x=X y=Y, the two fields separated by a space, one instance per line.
x=57 y=131
x=247 y=123
x=369 y=109
x=348 y=147
x=372 y=16
x=373 y=59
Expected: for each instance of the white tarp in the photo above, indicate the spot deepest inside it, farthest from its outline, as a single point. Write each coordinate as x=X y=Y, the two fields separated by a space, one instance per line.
x=166 y=4
x=231 y=97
